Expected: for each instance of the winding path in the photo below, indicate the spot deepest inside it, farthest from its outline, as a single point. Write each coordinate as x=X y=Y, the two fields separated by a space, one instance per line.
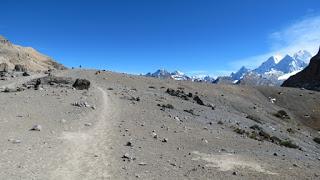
x=87 y=152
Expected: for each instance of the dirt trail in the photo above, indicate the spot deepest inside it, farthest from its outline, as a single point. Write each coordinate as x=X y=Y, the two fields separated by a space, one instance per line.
x=87 y=151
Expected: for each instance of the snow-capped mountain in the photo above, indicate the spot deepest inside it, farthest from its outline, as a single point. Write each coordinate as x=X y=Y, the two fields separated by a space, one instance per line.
x=202 y=78
x=267 y=65
x=271 y=72
x=290 y=64
x=164 y=74
x=277 y=70
x=302 y=55
x=240 y=73
x=161 y=74
x=177 y=75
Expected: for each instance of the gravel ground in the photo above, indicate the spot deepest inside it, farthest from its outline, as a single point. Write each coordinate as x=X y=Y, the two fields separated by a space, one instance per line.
x=130 y=127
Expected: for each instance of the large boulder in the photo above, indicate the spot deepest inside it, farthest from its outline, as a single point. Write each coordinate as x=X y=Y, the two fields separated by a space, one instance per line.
x=20 y=68
x=81 y=84
x=309 y=78
x=3 y=67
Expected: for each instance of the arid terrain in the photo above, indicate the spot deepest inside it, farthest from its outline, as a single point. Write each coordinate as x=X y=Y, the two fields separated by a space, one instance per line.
x=134 y=127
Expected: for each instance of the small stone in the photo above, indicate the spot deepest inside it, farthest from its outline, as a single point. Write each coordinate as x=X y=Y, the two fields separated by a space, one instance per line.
x=36 y=128
x=14 y=141
x=88 y=124
x=154 y=135
x=204 y=140
x=234 y=173
x=142 y=164
x=165 y=140
x=275 y=154
x=129 y=144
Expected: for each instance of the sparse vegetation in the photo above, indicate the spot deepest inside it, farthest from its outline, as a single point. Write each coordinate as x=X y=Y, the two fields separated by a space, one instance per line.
x=168 y=106
x=289 y=144
x=239 y=131
x=282 y=114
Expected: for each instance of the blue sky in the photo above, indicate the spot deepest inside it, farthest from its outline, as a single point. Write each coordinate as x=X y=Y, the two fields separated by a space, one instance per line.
x=136 y=36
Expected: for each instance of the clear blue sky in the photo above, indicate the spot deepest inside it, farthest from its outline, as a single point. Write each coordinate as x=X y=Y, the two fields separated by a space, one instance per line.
x=137 y=36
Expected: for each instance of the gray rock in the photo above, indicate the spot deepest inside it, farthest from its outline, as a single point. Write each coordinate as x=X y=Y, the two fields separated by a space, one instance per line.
x=36 y=128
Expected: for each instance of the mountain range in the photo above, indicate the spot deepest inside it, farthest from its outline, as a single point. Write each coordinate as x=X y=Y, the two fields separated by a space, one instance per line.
x=271 y=72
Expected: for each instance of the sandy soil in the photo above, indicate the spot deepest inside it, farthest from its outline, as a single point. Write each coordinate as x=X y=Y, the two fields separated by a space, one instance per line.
x=125 y=134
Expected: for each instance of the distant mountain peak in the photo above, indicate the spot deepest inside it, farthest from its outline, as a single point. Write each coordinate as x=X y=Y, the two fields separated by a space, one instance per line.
x=302 y=55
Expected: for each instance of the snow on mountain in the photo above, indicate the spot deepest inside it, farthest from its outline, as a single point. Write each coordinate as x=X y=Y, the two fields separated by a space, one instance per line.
x=202 y=78
x=302 y=55
x=286 y=76
x=164 y=74
x=290 y=64
x=273 y=71
x=177 y=75
x=161 y=74
x=267 y=65
x=239 y=74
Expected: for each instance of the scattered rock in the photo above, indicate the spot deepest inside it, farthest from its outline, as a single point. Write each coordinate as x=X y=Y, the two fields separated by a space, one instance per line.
x=289 y=144
x=272 y=100
x=154 y=135
x=129 y=144
x=198 y=100
x=204 y=140
x=20 y=68
x=317 y=140
x=282 y=114
x=88 y=124
x=81 y=104
x=14 y=141
x=142 y=164
x=254 y=118
x=36 y=128
x=126 y=156
x=256 y=127
x=164 y=140
x=81 y=84
x=177 y=118
x=220 y=122
x=164 y=106
x=190 y=111
x=25 y=74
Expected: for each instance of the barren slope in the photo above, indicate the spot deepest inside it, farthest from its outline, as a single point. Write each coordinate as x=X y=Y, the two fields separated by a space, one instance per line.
x=139 y=130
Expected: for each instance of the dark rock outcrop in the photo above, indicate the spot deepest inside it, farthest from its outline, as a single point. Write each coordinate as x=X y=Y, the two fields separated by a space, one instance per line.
x=309 y=78
x=20 y=68
x=81 y=84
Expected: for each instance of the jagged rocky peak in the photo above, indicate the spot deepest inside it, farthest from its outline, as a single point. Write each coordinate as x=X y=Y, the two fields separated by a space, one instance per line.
x=309 y=78
x=303 y=55
x=240 y=73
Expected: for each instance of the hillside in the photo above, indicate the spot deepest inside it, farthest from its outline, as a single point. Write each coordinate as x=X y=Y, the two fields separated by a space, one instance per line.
x=31 y=59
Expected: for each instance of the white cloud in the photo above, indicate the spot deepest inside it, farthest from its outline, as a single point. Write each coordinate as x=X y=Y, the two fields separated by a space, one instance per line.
x=303 y=34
